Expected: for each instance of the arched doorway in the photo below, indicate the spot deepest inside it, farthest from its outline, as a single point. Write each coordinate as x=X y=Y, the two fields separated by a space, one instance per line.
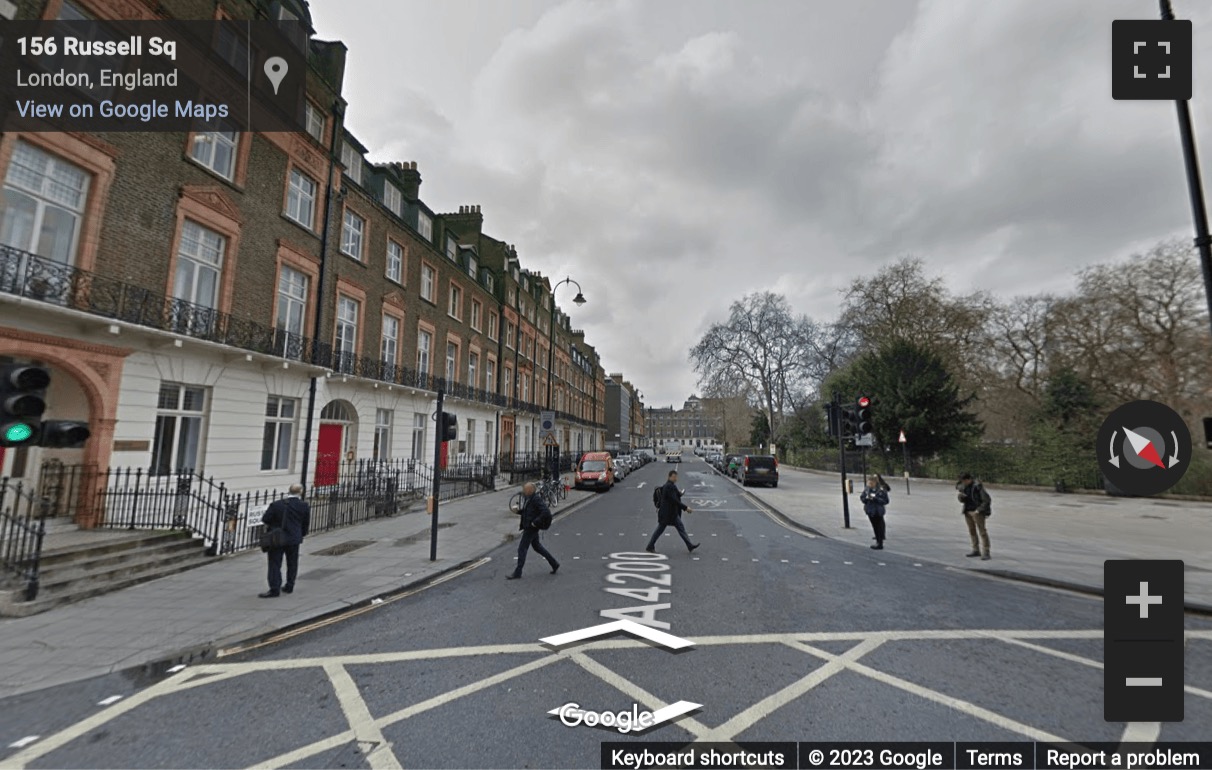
x=337 y=437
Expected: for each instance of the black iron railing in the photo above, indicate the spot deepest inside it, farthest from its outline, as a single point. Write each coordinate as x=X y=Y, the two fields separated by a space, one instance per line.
x=27 y=275
x=22 y=527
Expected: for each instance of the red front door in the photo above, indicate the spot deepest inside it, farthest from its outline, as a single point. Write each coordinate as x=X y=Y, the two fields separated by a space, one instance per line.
x=328 y=454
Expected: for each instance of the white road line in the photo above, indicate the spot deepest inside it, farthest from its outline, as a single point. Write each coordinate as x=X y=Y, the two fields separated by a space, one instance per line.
x=847 y=562
x=298 y=755
x=917 y=565
x=1141 y=732
x=1049 y=651
x=962 y=706
x=111 y=700
x=635 y=692
x=27 y=740
x=176 y=668
x=771 y=703
x=814 y=561
x=783 y=561
x=381 y=757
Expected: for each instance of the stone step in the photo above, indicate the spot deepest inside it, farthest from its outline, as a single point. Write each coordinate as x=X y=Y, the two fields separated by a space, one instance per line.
x=151 y=561
x=52 y=557
x=48 y=599
x=94 y=563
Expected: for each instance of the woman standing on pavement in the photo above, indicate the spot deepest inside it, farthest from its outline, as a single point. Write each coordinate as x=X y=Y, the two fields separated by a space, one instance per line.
x=875 y=500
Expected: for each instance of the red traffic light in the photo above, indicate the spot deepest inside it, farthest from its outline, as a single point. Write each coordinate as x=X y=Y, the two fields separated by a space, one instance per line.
x=864 y=401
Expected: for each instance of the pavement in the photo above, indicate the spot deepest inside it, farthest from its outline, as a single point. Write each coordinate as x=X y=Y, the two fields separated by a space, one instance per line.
x=188 y=616
x=1042 y=537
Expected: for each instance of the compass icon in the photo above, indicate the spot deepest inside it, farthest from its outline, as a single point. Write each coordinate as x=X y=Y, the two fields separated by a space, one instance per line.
x=1144 y=448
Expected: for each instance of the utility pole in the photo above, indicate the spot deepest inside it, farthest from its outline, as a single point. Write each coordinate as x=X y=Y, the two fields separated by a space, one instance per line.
x=841 y=453
x=438 y=434
x=1203 y=242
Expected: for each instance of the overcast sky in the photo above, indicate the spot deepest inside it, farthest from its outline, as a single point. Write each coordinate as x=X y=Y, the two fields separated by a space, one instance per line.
x=674 y=155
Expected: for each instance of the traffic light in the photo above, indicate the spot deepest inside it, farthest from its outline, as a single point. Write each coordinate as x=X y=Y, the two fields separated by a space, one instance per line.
x=832 y=421
x=450 y=426
x=64 y=434
x=849 y=422
x=22 y=402
x=862 y=416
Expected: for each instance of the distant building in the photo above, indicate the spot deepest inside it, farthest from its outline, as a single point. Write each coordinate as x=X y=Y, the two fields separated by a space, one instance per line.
x=692 y=425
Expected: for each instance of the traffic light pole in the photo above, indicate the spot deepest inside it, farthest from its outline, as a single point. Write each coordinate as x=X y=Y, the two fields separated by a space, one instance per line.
x=841 y=453
x=437 y=478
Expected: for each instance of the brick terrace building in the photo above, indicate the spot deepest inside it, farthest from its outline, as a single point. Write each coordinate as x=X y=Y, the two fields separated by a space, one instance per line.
x=258 y=307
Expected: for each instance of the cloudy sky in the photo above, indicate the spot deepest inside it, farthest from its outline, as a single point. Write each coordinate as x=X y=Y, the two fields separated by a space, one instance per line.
x=674 y=155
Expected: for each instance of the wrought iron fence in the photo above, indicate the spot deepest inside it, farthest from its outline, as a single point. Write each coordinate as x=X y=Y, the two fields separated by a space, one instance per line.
x=22 y=527
x=530 y=466
x=27 y=275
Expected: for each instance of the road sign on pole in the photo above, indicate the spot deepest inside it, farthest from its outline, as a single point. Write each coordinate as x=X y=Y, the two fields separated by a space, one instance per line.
x=902 y=439
x=866 y=439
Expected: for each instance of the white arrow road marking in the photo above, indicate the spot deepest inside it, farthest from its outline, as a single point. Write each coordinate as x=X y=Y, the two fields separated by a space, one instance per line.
x=668 y=641
x=673 y=711
x=1174 y=456
x=27 y=740
x=641 y=486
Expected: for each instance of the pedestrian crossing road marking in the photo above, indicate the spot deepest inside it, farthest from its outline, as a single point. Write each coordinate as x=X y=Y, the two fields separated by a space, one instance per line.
x=365 y=726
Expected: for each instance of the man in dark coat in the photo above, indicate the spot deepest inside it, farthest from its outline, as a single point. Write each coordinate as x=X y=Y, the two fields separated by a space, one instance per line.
x=293 y=516
x=669 y=514
x=532 y=511
x=977 y=508
x=875 y=501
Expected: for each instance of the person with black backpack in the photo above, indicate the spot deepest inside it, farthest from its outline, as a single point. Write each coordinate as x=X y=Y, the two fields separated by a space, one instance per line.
x=978 y=507
x=536 y=516
x=668 y=500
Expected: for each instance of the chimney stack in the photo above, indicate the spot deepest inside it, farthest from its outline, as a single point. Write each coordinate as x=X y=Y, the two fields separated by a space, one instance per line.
x=410 y=179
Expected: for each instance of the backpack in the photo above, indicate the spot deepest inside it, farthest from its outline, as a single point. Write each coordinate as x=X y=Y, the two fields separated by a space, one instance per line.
x=657 y=494
x=544 y=520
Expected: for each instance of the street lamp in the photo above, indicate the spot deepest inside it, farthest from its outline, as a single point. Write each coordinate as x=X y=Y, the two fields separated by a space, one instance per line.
x=578 y=300
x=1203 y=241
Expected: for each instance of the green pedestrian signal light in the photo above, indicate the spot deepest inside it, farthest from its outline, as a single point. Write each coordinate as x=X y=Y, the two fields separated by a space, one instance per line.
x=22 y=402
x=18 y=433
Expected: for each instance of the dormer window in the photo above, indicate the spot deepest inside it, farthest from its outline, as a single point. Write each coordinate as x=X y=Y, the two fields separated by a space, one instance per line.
x=425 y=226
x=452 y=249
x=392 y=199
x=473 y=267
x=352 y=160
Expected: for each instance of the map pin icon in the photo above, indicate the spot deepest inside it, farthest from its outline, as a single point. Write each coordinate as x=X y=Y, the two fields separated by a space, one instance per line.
x=275 y=70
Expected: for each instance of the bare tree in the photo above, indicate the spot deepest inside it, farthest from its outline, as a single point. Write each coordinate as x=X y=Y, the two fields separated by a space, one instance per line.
x=765 y=348
x=1020 y=340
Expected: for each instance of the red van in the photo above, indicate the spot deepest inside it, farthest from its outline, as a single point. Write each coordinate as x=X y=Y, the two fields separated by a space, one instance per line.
x=595 y=471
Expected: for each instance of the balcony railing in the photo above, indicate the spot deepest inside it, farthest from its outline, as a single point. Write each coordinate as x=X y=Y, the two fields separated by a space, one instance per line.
x=27 y=275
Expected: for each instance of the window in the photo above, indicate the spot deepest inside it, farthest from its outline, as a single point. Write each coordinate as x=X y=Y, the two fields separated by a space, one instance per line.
x=232 y=48
x=428 y=276
x=452 y=362
x=473 y=267
x=351 y=235
x=456 y=302
x=526 y=388
x=292 y=311
x=395 y=262
x=392 y=199
x=178 y=440
x=489 y=281
x=42 y=204
x=493 y=323
x=352 y=160
x=509 y=327
x=346 y=333
x=490 y=376
x=301 y=198
x=390 y=344
x=424 y=346
x=473 y=369
x=425 y=226
x=91 y=65
x=217 y=151
x=511 y=296
x=196 y=283
x=476 y=310
x=489 y=447
x=382 y=447
x=452 y=248
x=277 y=441
x=314 y=121
x=471 y=437
x=507 y=382
x=418 y=435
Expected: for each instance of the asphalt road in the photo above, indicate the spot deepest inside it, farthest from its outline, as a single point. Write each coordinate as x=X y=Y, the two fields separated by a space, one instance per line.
x=796 y=638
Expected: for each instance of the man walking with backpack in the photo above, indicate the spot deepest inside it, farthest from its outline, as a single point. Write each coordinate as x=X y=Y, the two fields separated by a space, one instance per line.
x=536 y=516
x=978 y=507
x=668 y=499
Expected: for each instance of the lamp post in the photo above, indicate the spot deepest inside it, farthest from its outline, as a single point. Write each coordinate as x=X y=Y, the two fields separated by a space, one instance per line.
x=553 y=452
x=1203 y=241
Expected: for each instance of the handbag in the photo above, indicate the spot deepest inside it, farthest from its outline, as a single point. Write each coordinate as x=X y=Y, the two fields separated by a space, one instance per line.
x=274 y=537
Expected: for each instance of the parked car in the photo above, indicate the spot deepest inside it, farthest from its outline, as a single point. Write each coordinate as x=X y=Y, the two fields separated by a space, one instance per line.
x=595 y=471
x=760 y=469
x=620 y=471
